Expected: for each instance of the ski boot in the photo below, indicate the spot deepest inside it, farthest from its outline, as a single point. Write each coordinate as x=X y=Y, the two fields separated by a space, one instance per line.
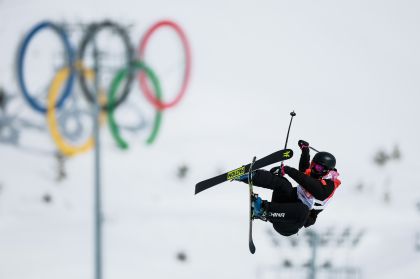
x=258 y=207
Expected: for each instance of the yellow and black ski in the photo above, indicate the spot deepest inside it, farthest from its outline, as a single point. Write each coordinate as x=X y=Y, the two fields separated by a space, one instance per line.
x=275 y=157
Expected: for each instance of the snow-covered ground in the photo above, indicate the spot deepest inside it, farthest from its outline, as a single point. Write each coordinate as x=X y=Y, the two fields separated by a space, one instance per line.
x=349 y=70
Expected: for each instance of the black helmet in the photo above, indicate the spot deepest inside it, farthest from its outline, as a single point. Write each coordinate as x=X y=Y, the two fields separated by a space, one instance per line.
x=324 y=158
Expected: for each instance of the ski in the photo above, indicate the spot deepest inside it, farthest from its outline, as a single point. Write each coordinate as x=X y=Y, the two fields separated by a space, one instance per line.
x=251 y=195
x=275 y=157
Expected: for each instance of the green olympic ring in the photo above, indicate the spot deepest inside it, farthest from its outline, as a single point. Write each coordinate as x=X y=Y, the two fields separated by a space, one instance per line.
x=121 y=74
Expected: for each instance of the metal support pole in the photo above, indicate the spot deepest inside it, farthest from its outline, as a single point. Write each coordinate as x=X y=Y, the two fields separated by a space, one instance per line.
x=97 y=162
x=314 y=245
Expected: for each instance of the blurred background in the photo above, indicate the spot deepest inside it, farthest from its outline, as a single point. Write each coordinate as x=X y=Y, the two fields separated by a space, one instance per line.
x=229 y=72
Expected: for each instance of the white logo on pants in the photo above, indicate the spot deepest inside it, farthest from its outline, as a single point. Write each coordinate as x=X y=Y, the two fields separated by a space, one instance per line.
x=278 y=215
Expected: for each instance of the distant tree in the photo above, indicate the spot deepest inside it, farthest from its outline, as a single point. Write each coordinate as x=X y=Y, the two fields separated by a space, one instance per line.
x=327 y=265
x=182 y=171
x=387 y=197
x=360 y=187
x=2 y=98
x=287 y=263
x=46 y=198
x=381 y=158
x=358 y=238
x=418 y=206
x=61 y=167
x=181 y=256
x=396 y=153
x=418 y=241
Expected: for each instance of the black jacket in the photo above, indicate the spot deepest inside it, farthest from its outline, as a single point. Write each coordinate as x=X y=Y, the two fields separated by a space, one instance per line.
x=310 y=184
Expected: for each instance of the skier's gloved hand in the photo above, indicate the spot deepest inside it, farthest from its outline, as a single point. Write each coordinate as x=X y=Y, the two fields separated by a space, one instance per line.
x=244 y=178
x=275 y=170
x=278 y=170
x=303 y=144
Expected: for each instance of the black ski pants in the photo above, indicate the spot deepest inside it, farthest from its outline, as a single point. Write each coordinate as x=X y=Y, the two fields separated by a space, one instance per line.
x=285 y=211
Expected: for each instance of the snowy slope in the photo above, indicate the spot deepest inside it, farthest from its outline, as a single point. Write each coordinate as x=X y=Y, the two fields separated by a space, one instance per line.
x=349 y=70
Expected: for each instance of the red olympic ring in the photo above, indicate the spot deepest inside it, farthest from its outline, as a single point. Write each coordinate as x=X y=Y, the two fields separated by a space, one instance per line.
x=150 y=95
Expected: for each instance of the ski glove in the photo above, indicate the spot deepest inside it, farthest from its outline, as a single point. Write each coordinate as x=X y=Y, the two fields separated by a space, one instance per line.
x=303 y=144
x=278 y=170
x=275 y=170
x=244 y=178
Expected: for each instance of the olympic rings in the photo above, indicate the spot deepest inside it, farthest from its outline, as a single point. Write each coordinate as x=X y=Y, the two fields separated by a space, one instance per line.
x=62 y=145
x=90 y=35
x=111 y=97
x=143 y=83
x=62 y=84
x=21 y=58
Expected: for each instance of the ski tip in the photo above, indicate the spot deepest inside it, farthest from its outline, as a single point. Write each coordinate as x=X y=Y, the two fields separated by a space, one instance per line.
x=252 y=248
x=287 y=154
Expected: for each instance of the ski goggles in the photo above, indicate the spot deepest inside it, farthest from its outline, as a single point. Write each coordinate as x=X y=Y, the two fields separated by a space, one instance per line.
x=318 y=168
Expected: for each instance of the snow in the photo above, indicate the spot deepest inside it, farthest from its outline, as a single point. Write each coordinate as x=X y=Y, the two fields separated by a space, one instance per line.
x=348 y=69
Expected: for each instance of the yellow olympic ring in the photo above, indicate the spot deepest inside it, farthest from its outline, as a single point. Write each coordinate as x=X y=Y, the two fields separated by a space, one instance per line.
x=64 y=147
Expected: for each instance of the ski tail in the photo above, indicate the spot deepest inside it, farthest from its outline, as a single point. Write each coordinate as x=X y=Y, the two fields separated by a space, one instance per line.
x=205 y=184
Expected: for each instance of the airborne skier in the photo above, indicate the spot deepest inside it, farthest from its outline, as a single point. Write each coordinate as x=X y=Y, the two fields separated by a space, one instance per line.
x=291 y=208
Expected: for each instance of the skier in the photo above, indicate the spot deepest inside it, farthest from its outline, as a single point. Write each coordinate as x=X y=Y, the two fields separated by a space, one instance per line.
x=291 y=208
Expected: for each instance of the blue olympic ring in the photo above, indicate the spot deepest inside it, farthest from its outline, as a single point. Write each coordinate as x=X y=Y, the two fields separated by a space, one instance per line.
x=21 y=59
